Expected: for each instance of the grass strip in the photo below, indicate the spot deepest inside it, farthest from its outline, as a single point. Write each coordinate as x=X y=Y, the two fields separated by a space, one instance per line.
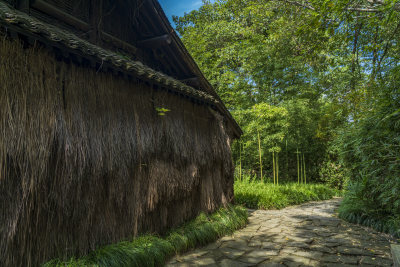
x=255 y=194
x=152 y=250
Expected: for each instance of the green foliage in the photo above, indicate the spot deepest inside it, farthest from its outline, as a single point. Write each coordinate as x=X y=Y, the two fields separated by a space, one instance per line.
x=356 y=208
x=261 y=118
x=334 y=175
x=151 y=250
x=371 y=151
x=162 y=111
x=258 y=195
x=333 y=171
x=267 y=68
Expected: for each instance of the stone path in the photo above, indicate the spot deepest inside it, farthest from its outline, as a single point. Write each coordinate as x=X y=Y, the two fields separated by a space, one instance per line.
x=305 y=235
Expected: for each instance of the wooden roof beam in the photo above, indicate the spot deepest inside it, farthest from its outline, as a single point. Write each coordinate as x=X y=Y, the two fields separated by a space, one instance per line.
x=59 y=14
x=163 y=40
x=118 y=42
x=80 y=25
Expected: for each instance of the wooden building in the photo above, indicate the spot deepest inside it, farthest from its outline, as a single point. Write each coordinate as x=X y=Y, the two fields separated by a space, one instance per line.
x=108 y=128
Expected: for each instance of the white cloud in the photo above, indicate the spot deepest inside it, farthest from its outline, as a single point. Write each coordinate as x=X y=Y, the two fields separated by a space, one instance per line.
x=197 y=4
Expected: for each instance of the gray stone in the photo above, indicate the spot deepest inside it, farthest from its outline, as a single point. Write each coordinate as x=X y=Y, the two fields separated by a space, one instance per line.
x=331 y=244
x=217 y=254
x=187 y=257
x=301 y=239
x=349 y=259
x=298 y=244
x=287 y=250
x=297 y=261
x=212 y=246
x=199 y=252
x=321 y=248
x=338 y=265
x=333 y=223
x=244 y=236
x=271 y=245
x=180 y=264
x=396 y=254
x=271 y=264
x=237 y=244
x=255 y=243
x=205 y=262
x=231 y=253
x=308 y=254
x=330 y=258
x=227 y=238
x=257 y=256
x=293 y=264
x=232 y=263
x=353 y=251
x=377 y=261
x=325 y=234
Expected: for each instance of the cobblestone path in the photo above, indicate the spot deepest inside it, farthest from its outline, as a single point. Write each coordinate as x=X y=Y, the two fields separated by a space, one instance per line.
x=305 y=235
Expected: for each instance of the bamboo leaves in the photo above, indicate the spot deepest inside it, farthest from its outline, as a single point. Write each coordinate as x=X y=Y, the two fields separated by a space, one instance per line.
x=162 y=111
x=264 y=129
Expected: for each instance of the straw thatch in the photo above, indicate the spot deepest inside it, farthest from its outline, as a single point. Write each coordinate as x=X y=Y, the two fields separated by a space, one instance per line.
x=87 y=159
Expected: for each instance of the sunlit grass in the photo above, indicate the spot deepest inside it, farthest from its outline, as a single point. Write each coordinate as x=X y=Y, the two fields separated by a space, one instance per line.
x=259 y=195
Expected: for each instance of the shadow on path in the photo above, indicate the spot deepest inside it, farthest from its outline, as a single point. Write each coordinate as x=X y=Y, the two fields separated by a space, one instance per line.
x=304 y=235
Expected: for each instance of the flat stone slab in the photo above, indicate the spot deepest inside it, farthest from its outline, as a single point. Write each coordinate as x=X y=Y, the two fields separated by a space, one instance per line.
x=232 y=263
x=396 y=254
x=304 y=235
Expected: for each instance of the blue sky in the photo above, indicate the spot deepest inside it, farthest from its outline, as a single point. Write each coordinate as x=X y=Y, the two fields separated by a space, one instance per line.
x=179 y=7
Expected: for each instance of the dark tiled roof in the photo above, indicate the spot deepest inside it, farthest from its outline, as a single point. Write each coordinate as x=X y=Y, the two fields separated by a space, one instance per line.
x=10 y=17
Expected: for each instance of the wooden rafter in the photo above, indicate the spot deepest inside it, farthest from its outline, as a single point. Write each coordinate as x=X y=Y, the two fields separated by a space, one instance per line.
x=155 y=42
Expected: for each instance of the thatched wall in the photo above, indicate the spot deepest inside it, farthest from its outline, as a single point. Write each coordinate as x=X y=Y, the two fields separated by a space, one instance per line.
x=86 y=159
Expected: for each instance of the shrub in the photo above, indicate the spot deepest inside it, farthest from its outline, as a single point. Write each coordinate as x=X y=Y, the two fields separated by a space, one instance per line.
x=371 y=151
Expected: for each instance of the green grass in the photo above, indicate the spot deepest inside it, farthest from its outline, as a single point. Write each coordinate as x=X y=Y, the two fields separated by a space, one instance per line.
x=151 y=250
x=255 y=194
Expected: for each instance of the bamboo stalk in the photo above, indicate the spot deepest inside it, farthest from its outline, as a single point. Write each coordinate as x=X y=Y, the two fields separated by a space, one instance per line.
x=277 y=168
x=273 y=164
x=287 y=163
x=301 y=169
x=240 y=161
x=259 y=151
x=304 y=169
x=298 y=170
